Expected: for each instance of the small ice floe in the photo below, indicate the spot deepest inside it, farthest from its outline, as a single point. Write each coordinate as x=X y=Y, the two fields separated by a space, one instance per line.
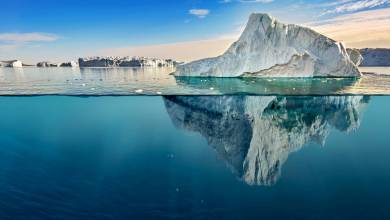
x=93 y=89
x=211 y=88
x=158 y=93
x=294 y=89
x=83 y=85
x=139 y=91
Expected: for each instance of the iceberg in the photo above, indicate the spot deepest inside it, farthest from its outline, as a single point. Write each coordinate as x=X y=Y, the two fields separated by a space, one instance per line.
x=69 y=64
x=125 y=62
x=269 y=48
x=47 y=64
x=256 y=134
x=375 y=57
x=11 y=63
x=355 y=56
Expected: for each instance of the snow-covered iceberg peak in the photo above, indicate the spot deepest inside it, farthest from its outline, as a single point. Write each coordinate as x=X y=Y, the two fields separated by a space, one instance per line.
x=269 y=48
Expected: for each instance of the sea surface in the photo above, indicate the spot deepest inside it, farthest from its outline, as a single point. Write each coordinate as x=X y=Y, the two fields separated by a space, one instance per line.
x=72 y=153
x=158 y=81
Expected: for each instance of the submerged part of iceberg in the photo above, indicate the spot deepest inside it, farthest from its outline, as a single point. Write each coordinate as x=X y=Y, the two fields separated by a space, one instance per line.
x=266 y=86
x=270 y=48
x=255 y=135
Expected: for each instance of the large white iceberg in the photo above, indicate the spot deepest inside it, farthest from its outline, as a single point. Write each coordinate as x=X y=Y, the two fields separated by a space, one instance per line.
x=268 y=48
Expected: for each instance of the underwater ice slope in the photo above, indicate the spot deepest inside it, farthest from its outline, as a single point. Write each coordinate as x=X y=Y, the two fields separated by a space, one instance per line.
x=255 y=135
x=268 y=48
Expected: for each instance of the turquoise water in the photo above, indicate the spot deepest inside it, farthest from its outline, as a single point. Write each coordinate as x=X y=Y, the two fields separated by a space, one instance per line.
x=194 y=157
x=157 y=81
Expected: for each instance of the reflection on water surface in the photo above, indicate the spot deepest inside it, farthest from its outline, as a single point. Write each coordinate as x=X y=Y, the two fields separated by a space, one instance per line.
x=157 y=81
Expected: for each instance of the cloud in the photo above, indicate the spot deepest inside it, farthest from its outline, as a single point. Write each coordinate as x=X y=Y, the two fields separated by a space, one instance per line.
x=334 y=3
x=200 y=13
x=12 y=44
x=247 y=1
x=361 y=29
x=27 y=37
x=345 y=6
x=255 y=1
x=8 y=47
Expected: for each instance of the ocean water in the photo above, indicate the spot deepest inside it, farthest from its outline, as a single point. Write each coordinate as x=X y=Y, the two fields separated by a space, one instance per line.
x=158 y=81
x=194 y=157
x=133 y=143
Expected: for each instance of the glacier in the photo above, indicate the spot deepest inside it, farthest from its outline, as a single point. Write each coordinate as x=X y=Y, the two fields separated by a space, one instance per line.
x=256 y=134
x=269 y=48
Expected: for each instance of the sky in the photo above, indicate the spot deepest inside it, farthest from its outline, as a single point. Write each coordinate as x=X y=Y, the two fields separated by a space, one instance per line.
x=184 y=30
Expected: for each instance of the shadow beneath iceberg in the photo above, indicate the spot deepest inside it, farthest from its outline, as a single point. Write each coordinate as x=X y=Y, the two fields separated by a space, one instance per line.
x=256 y=134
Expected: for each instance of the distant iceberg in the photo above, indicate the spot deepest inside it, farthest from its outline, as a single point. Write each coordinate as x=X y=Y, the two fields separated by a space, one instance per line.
x=125 y=62
x=69 y=64
x=11 y=63
x=47 y=64
x=375 y=57
x=268 y=48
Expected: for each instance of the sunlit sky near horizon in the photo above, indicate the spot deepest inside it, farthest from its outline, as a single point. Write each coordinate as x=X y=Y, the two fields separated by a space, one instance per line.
x=184 y=30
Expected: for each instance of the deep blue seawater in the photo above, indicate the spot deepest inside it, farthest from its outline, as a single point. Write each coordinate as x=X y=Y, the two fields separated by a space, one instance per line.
x=194 y=157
